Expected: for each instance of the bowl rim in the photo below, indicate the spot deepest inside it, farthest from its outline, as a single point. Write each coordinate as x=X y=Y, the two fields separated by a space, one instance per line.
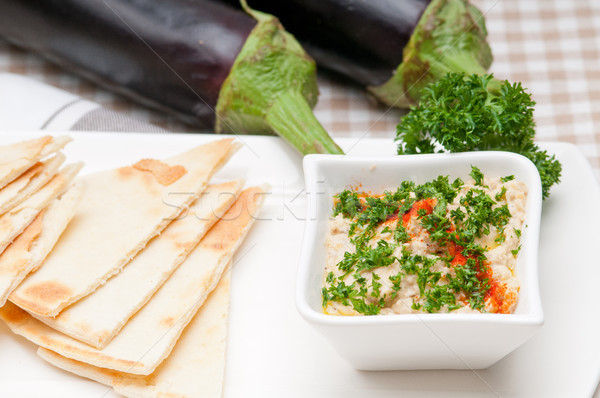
x=312 y=163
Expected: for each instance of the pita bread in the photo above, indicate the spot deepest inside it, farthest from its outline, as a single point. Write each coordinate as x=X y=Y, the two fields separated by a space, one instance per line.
x=120 y=211
x=18 y=157
x=30 y=248
x=29 y=182
x=148 y=338
x=194 y=369
x=14 y=222
x=97 y=318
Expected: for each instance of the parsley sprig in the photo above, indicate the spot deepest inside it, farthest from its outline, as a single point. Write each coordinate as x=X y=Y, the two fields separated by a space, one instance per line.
x=460 y=113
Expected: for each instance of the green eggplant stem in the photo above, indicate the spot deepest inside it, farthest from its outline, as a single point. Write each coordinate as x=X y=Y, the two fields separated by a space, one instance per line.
x=291 y=118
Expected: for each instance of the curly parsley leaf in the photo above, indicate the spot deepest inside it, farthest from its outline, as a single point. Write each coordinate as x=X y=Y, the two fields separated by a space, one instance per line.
x=460 y=113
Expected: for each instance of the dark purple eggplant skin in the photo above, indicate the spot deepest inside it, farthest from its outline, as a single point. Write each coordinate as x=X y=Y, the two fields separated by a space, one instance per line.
x=361 y=39
x=172 y=54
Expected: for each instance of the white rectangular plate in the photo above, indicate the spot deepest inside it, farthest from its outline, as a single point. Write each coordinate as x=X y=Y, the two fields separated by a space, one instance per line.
x=273 y=353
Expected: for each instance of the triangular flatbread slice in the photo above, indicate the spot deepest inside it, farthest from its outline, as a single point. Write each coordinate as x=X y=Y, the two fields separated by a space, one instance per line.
x=98 y=317
x=194 y=369
x=18 y=157
x=14 y=222
x=148 y=338
x=120 y=211
x=29 y=182
x=28 y=250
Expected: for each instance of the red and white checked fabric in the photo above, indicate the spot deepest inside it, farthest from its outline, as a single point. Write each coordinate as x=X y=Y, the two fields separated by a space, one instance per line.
x=551 y=46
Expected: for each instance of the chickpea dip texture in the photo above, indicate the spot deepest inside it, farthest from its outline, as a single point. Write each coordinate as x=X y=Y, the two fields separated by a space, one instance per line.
x=443 y=246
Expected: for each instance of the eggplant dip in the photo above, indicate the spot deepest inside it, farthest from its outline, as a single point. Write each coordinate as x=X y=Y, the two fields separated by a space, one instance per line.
x=437 y=247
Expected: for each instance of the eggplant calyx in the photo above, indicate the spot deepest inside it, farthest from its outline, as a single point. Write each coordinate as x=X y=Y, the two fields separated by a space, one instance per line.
x=271 y=89
x=450 y=37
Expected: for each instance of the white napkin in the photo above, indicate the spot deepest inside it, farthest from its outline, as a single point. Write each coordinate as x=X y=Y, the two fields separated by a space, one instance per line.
x=27 y=104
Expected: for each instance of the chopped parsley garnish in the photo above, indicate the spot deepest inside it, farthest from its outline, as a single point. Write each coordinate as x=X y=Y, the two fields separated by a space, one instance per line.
x=501 y=195
x=516 y=251
x=348 y=204
x=452 y=275
x=477 y=175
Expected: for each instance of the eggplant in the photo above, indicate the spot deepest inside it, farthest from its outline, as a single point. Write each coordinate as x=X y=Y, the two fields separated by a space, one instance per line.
x=215 y=66
x=393 y=47
x=360 y=39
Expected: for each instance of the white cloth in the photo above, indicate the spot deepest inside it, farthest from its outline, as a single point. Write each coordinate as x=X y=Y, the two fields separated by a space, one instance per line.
x=27 y=104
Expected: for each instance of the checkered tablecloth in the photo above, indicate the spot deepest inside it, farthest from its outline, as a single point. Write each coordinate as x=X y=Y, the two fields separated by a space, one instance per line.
x=551 y=46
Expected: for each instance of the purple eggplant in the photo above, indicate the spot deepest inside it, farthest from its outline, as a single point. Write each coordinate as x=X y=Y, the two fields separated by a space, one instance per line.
x=213 y=65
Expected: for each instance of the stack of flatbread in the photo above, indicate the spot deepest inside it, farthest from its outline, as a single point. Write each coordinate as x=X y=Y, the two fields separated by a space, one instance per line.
x=124 y=277
x=37 y=201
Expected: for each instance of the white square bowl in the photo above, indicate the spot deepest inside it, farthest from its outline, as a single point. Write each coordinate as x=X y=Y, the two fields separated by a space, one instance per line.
x=417 y=341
